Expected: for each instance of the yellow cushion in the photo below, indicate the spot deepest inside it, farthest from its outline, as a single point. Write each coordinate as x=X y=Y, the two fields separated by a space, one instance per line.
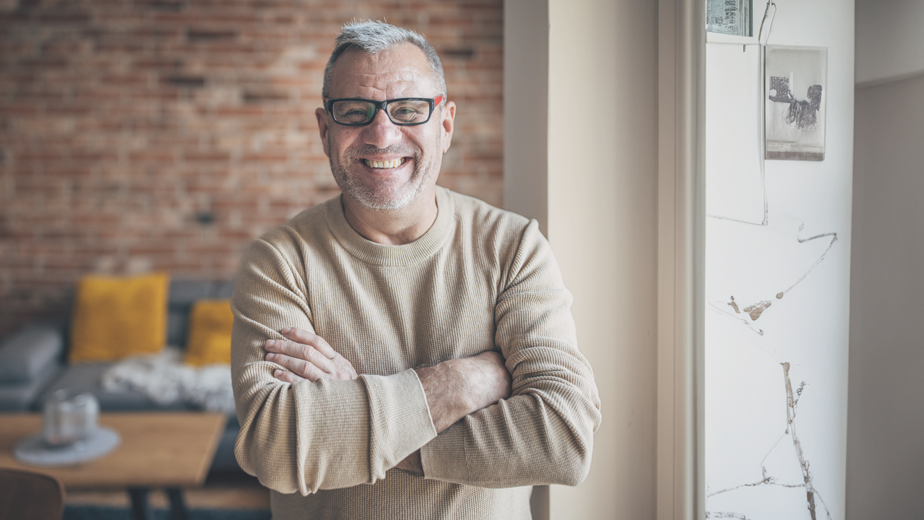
x=209 y=339
x=116 y=317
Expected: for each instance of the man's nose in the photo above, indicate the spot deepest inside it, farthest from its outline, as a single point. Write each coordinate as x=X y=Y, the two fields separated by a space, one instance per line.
x=381 y=132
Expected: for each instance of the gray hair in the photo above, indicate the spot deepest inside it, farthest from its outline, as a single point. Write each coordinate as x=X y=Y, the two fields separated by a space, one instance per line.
x=374 y=37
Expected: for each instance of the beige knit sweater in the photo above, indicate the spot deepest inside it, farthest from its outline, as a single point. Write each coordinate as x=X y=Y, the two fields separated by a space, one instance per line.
x=479 y=279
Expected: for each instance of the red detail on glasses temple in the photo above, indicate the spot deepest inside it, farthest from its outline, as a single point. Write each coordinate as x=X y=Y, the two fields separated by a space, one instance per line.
x=438 y=99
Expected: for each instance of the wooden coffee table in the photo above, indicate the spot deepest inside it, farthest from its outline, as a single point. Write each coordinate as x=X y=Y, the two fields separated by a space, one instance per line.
x=158 y=450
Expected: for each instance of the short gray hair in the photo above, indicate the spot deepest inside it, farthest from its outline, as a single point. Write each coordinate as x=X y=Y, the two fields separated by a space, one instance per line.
x=374 y=37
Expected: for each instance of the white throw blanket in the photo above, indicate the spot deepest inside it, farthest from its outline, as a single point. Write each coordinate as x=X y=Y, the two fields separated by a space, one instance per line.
x=165 y=380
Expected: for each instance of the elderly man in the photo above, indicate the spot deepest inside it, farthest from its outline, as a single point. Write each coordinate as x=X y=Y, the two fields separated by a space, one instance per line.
x=402 y=351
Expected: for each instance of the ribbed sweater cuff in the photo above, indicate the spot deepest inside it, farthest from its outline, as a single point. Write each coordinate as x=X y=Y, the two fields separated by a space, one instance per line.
x=401 y=418
x=444 y=459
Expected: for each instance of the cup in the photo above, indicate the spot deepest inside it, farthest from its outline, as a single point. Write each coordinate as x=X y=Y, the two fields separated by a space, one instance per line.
x=69 y=417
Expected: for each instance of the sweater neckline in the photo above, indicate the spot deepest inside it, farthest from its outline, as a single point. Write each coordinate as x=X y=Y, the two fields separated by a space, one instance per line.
x=390 y=255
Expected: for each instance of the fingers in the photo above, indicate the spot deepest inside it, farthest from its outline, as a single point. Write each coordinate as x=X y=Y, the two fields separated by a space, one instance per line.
x=346 y=370
x=299 y=351
x=308 y=356
x=310 y=347
x=286 y=376
x=303 y=336
x=300 y=367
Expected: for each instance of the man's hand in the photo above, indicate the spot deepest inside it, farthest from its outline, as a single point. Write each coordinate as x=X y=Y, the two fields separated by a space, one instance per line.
x=307 y=356
x=459 y=387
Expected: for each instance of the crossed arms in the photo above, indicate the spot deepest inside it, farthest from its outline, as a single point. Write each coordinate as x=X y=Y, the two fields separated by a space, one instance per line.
x=454 y=388
x=453 y=420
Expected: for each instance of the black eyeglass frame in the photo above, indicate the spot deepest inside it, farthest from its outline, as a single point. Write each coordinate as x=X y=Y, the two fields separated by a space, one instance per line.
x=382 y=105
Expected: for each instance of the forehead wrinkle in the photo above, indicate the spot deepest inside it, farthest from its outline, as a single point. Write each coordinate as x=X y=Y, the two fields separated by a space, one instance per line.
x=397 y=72
x=390 y=86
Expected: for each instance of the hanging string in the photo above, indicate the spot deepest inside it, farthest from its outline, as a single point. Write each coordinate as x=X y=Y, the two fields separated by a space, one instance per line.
x=768 y=15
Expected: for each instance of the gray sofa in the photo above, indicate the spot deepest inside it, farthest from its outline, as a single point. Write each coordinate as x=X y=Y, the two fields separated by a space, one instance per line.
x=33 y=366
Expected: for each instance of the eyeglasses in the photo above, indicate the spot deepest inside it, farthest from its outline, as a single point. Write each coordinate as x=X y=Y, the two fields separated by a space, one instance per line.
x=403 y=111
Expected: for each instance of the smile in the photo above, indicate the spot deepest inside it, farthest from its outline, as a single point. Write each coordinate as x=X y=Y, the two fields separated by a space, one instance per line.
x=394 y=163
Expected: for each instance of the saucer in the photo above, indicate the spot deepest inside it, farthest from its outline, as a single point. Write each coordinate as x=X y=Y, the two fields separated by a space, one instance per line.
x=34 y=450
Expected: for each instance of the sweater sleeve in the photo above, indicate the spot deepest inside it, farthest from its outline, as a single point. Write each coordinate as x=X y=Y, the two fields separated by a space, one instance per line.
x=308 y=436
x=542 y=434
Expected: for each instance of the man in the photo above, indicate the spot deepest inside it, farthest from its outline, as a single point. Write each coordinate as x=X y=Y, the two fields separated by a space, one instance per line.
x=402 y=351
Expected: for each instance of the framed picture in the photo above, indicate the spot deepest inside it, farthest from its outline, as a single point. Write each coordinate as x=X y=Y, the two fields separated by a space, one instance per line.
x=732 y=17
x=796 y=83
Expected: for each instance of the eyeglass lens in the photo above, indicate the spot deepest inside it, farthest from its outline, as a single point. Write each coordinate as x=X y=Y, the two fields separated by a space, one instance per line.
x=408 y=111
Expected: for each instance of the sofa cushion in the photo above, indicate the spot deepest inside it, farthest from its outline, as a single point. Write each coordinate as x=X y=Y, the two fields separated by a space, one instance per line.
x=118 y=316
x=30 y=353
x=210 y=327
x=21 y=397
x=86 y=377
x=183 y=294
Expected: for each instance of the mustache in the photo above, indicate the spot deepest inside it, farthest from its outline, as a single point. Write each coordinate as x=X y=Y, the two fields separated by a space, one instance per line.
x=369 y=149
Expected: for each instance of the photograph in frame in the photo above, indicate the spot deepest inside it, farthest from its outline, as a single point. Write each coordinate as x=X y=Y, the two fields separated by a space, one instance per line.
x=796 y=82
x=729 y=17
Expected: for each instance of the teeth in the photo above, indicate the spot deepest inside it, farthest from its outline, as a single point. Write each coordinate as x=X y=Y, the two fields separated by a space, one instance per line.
x=384 y=164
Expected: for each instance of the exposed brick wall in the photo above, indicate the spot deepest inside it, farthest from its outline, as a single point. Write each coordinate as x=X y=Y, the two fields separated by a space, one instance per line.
x=167 y=134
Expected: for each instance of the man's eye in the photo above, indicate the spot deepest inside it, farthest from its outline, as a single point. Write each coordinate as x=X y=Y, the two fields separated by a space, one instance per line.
x=354 y=115
x=406 y=113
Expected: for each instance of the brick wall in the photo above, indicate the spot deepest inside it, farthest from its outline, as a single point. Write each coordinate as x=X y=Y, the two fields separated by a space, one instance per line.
x=166 y=134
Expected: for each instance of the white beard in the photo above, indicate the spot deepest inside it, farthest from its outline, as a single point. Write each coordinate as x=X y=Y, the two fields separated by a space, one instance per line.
x=378 y=198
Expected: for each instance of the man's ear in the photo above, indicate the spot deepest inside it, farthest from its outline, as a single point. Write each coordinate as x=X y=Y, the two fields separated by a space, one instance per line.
x=447 y=123
x=323 y=128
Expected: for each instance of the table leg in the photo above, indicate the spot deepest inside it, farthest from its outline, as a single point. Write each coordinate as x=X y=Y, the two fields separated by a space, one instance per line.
x=140 y=508
x=177 y=506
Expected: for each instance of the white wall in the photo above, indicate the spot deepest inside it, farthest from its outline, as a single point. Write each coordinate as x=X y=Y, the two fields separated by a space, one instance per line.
x=886 y=416
x=748 y=440
x=601 y=219
x=603 y=226
x=890 y=42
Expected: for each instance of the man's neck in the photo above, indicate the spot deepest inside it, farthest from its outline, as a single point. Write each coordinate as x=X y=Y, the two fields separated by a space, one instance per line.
x=392 y=227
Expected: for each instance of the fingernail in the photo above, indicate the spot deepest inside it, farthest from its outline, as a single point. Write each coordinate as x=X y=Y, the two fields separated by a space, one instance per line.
x=270 y=342
x=270 y=357
x=277 y=372
x=285 y=330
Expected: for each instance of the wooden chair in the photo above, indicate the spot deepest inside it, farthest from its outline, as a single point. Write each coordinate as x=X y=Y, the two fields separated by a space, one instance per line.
x=30 y=495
